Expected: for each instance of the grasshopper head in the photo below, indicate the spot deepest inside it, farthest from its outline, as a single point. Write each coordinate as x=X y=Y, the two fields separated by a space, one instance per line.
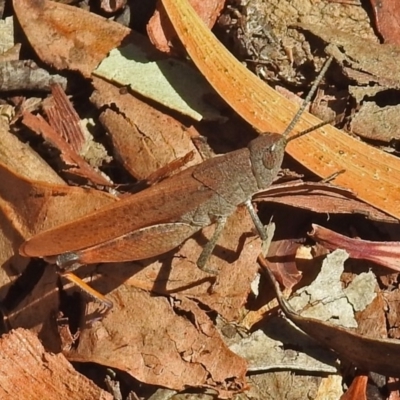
x=266 y=155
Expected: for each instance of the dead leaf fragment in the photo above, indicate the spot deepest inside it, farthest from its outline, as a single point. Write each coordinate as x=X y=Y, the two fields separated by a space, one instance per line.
x=368 y=354
x=160 y=31
x=144 y=139
x=387 y=16
x=174 y=345
x=165 y=80
x=27 y=371
x=320 y=197
x=382 y=253
x=68 y=37
x=26 y=75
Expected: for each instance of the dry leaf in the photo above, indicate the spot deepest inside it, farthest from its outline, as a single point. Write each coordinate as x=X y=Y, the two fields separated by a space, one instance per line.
x=382 y=253
x=27 y=371
x=160 y=31
x=51 y=29
x=387 y=16
x=368 y=354
x=144 y=139
x=171 y=344
x=320 y=197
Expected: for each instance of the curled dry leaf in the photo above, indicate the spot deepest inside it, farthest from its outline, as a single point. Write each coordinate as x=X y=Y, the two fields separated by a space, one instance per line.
x=320 y=197
x=51 y=29
x=27 y=371
x=279 y=259
x=368 y=354
x=171 y=344
x=325 y=151
x=382 y=253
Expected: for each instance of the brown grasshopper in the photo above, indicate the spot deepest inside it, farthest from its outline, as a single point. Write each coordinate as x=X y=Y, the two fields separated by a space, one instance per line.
x=163 y=216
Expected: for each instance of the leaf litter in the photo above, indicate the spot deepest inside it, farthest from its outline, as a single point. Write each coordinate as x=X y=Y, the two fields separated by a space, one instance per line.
x=166 y=309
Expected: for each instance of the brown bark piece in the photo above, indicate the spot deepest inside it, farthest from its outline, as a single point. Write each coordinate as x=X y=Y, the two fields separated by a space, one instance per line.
x=28 y=372
x=172 y=344
x=387 y=16
x=79 y=166
x=162 y=34
x=68 y=37
x=64 y=119
x=144 y=138
x=392 y=299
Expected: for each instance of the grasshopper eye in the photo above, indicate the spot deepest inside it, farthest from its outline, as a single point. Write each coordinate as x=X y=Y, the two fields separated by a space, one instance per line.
x=270 y=157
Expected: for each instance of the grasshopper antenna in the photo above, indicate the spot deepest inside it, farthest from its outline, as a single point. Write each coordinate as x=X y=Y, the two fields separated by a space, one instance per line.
x=305 y=103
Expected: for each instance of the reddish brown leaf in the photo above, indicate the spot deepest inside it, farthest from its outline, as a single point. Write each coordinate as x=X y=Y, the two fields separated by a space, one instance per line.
x=161 y=32
x=157 y=138
x=321 y=198
x=387 y=17
x=68 y=37
x=28 y=372
x=383 y=253
x=357 y=389
x=161 y=342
